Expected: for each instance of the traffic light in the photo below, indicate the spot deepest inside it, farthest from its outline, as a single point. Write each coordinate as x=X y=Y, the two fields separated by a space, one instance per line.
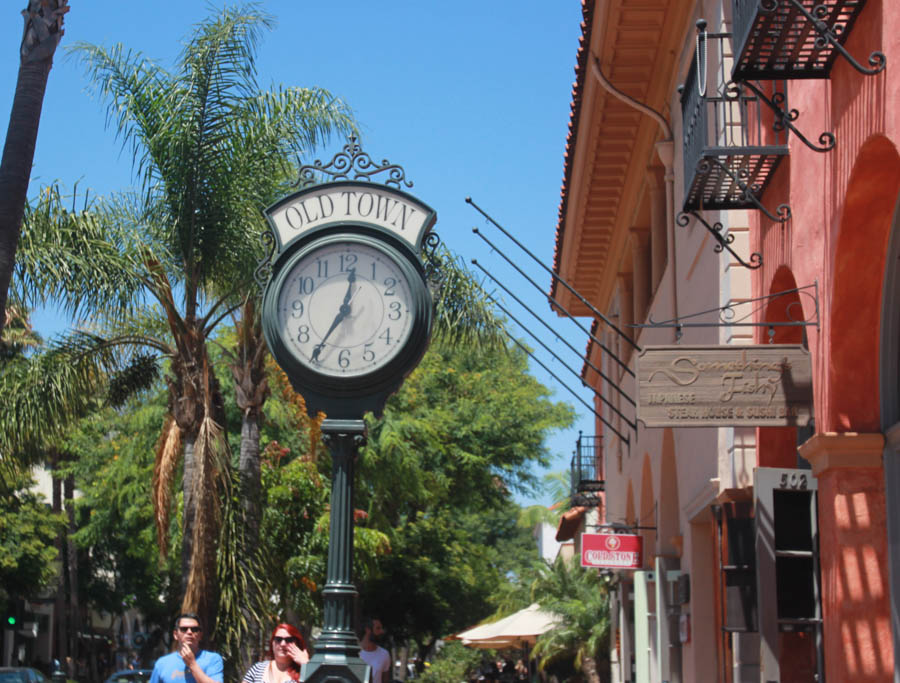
x=13 y=614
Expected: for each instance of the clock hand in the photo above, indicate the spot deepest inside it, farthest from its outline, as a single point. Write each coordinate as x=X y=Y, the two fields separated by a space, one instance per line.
x=343 y=312
x=351 y=278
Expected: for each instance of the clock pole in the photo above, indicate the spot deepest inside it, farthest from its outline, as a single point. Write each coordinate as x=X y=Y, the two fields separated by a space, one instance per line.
x=337 y=649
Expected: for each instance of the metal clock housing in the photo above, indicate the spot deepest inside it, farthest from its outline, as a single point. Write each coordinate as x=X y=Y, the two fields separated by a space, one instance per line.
x=347 y=313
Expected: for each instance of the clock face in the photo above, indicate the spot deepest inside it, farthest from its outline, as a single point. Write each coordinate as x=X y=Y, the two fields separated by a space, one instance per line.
x=345 y=309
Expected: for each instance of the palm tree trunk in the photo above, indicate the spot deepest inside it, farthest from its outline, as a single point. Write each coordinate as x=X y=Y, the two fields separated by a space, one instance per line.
x=60 y=608
x=195 y=400
x=72 y=556
x=43 y=30
x=251 y=391
x=189 y=512
x=250 y=478
x=250 y=492
x=589 y=667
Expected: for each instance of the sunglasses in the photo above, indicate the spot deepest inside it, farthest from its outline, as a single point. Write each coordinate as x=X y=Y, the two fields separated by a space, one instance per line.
x=278 y=640
x=192 y=629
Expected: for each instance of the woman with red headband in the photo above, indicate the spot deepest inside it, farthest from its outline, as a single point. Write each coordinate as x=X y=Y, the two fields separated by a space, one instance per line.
x=286 y=653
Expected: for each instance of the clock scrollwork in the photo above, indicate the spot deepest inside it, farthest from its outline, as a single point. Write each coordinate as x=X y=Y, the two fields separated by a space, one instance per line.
x=351 y=163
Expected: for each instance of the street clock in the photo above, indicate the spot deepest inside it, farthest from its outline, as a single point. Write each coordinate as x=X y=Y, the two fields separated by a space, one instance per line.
x=347 y=311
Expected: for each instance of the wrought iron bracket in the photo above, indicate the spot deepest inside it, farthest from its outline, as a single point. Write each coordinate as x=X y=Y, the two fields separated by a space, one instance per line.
x=828 y=36
x=620 y=527
x=264 y=268
x=749 y=192
x=729 y=316
x=783 y=119
x=352 y=164
x=432 y=262
x=723 y=239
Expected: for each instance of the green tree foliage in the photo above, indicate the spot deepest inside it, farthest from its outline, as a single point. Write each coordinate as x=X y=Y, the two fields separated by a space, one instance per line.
x=113 y=469
x=437 y=477
x=454 y=662
x=28 y=532
x=465 y=429
x=296 y=495
x=581 y=599
x=296 y=488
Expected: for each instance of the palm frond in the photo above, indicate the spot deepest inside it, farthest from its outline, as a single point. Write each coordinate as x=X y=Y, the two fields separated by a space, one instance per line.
x=48 y=391
x=80 y=258
x=211 y=456
x=463 y=314
x=580 y=597
x=144 y=328
x=138 y=95
x=168 y=452
x=244 y=584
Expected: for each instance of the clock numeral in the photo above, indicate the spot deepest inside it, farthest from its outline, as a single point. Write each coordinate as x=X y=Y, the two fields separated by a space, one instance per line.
x=368 y=354
x=395 y=310
x=303 y=334
x=386 y=335
x=306 y=285
x=297 y=305
x=348 y=260
x=389 y=284
x=373 y=270
x=323 y=267
x=344 y=358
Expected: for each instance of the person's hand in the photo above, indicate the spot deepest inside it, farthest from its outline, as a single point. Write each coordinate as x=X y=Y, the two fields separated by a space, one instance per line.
x=299 y=656
x=187 y=654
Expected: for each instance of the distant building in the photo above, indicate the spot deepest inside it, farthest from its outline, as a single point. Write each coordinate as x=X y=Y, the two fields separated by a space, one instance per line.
x=548 y=546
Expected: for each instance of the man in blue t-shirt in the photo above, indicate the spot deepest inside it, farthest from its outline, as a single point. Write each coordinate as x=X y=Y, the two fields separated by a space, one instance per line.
x=188 y=663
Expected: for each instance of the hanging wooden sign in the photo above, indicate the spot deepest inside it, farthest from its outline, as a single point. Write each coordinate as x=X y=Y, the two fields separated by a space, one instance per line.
x=766 y=385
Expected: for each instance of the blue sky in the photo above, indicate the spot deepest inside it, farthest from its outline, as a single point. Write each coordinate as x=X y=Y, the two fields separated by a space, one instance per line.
x=471 y=98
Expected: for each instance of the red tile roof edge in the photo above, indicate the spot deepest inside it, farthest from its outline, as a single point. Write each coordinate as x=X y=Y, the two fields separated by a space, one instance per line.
x=569 y=523
x=581 y=68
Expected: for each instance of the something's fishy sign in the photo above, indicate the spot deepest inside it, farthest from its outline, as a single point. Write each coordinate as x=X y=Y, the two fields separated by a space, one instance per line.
x=767 y=385
x=612 y=551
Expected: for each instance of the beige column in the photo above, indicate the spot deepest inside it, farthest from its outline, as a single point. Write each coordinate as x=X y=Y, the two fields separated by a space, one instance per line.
x=640 y=264
x=657 y=184
x=626 y=312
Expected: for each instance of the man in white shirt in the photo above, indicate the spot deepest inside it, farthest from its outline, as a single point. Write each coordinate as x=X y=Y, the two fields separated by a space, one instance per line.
x=371 y=633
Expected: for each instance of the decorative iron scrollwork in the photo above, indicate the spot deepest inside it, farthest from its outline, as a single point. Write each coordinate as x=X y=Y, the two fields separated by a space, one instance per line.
x=431 y=260
x=352 y=163
x=828 y=35
x=264 y=269
x=430 y=245
x=785 y=118
x=729 y=316
x=723 y=239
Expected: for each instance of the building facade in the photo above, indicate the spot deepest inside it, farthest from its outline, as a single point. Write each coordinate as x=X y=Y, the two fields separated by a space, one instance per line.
x=732 y=179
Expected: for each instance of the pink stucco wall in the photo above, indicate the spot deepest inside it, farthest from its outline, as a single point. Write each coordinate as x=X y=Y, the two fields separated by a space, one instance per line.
x=843 y=204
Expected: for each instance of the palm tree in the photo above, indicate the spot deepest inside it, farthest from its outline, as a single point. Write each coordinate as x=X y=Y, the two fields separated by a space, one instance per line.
x=43 y=30
x=557 y=486
x=47 y=387
x=581 y=599
x=161 y=268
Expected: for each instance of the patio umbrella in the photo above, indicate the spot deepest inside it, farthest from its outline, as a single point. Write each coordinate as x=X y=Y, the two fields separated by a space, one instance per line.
x=516 y=630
